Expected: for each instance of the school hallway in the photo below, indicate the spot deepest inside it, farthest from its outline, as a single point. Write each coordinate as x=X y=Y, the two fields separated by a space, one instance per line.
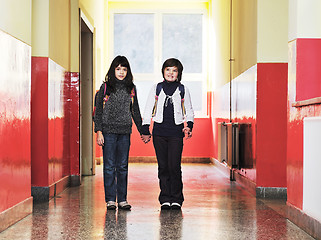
x=214 y=208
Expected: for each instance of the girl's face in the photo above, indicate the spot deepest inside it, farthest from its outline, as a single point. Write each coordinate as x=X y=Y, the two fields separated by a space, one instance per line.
x=170 y=74
x=120 y=72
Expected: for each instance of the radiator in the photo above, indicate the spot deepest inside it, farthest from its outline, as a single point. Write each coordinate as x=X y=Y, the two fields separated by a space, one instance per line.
x=222 y=142
x=233 y=143
x=228 y=144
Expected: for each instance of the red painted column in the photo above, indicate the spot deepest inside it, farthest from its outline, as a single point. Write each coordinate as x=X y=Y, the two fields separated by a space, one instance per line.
x=39 y=121
x=271 y=124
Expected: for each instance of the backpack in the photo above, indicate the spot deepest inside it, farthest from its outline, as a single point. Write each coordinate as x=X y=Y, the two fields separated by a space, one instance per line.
x=158 y=90
x=106 y=94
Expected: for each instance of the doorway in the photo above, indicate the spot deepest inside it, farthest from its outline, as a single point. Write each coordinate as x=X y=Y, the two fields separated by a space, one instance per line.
x=87 y=166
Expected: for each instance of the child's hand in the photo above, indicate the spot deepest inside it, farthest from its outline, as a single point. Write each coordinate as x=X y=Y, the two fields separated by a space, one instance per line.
x=145 y=138
x=188 y=132
x=100 y=138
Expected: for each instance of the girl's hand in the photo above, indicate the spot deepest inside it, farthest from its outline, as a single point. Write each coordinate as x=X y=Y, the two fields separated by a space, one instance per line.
x=145 y=138
x=187 y=131
x=100 y=138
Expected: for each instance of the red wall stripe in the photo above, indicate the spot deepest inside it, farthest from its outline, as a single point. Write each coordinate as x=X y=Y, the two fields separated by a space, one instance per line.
x=259 y=98
x=308 y=84
x=74 y=123
x=200 y=145
x=15 y=125
x=55 y=132
x=303 y=84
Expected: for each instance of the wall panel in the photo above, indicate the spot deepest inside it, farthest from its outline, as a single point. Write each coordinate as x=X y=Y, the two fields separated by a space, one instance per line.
x=15 y=157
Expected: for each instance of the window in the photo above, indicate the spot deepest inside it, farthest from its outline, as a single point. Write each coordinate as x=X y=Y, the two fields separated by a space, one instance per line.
x=147 y=39
x=134 y=38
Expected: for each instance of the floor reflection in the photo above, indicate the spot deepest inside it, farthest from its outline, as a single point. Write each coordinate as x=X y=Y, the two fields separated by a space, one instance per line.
x=116 y=225
x=214 y=208
x=170 y=224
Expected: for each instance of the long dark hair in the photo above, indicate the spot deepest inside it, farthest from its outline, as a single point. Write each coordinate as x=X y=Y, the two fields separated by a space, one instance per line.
x=173 y=62
x=110 y=78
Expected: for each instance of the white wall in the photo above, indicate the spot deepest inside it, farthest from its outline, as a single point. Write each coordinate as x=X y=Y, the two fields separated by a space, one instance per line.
x=311 y=167
x=272 y=30
x=304 y=19
x=15 y=19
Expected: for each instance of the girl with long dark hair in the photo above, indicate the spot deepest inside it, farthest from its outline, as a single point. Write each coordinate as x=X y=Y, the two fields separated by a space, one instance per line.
x=116 y=106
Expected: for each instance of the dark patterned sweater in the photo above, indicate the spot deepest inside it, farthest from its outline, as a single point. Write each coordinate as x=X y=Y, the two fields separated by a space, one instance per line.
x=116 y=116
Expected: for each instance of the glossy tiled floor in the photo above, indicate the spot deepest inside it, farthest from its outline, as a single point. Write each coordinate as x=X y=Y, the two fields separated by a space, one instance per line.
x=214 y=208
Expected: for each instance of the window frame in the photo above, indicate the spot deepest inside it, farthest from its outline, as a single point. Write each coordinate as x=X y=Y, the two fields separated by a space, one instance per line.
x=156 y=76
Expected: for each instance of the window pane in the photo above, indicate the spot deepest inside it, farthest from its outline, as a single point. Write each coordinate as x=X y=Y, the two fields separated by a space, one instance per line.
x=195 y=89
x=182 y=39
x=134 y=38
x=143 y=89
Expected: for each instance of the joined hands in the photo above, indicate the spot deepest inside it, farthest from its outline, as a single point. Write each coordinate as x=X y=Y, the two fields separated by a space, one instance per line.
x=145 y=138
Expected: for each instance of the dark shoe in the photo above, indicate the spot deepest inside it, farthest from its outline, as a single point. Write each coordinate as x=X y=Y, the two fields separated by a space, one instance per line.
x=176 y=206
x=111 y=205
x=166 y=206
x=124 y=205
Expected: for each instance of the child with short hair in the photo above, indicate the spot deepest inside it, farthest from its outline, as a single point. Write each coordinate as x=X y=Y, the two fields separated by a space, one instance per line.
x=169 y=109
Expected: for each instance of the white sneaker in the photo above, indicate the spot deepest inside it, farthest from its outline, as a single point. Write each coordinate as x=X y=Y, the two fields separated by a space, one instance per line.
x=176 y=206
x=166 y=206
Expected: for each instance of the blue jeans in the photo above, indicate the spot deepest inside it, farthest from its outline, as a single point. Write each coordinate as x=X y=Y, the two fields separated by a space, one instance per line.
x=115 y=153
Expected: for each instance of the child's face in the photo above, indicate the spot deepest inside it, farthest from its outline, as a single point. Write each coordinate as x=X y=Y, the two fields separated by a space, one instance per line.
x=120 y=72
x=170 y=74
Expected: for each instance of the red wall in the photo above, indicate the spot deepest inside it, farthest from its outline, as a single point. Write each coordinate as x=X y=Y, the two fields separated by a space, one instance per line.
x=15 y=157
x=55 y=122
x=308 y=84
x=244 y=96
x=304 y=84
x=39 y=121
x=271 y=124
x=72 y=103
x=259 y=98
x=200 y=145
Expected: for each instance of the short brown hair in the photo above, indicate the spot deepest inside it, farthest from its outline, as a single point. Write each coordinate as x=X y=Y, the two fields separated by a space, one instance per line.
x=173 y=62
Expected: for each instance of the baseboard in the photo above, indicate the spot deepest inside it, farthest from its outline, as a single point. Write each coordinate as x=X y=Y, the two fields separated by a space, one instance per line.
x=152 y=159
x=56 y=188
x=44 y=194
x=75 y=181
x=304 y=221
x=196 y=160
x=246 y=183
x=15 y=213
x=40 y=194
x=271 y=192
x=250 y=186
x=221 y=166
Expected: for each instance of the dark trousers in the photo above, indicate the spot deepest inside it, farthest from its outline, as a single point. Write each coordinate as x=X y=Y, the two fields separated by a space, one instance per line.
x=169 y=154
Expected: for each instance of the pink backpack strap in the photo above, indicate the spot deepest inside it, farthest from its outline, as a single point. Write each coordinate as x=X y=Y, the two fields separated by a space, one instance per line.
x=132 y=94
